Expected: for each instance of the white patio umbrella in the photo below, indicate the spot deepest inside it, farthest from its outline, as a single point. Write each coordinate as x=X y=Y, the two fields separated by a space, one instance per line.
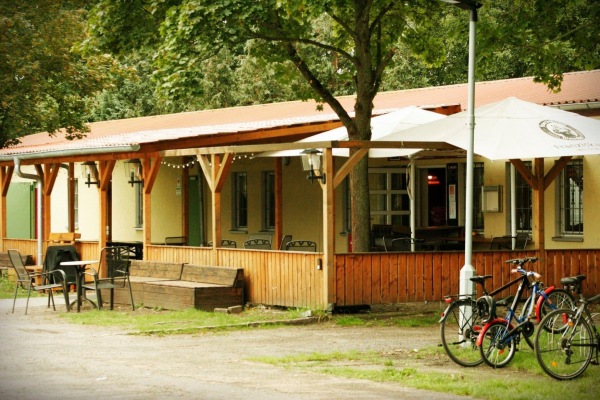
x=382 y=127
x=515 y=129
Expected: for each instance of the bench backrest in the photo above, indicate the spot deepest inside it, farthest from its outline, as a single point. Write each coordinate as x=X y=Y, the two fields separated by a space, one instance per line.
x=228 y=276
x=5 y=261
x=63 y=237
x=156 y=269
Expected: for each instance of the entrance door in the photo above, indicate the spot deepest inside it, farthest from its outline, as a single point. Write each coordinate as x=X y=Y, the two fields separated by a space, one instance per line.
x=432 y=183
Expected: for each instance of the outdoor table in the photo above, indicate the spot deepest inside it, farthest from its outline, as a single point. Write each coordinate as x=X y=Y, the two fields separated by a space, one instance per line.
x=80 y=269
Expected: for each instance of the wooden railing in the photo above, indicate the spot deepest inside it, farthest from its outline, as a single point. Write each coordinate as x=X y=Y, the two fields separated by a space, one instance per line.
x=86 y=250
x=387 y=278
x=291 y=279
x=281 y=278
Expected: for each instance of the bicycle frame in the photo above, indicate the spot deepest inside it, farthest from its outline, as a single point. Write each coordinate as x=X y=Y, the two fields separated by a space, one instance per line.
x=511 y=315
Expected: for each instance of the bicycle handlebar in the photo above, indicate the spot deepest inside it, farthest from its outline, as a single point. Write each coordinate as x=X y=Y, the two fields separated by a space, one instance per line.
x=521 y=271
x=522 y=261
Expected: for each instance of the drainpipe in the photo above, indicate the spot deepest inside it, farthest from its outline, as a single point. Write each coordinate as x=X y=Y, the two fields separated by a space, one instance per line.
x=40 y=185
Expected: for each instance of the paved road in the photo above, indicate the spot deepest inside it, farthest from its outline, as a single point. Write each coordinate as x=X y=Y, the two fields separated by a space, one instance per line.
x=44 y=358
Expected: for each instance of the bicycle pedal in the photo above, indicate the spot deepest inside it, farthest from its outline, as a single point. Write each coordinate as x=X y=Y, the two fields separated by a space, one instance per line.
x=594 y=362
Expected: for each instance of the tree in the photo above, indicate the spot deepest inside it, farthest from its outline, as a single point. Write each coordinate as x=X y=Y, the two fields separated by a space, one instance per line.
x=342 y=46
x=43 y=82
x=330 y=43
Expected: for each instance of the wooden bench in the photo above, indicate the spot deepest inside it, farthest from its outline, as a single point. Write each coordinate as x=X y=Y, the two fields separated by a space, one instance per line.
x=175 y=286
x=6 y=265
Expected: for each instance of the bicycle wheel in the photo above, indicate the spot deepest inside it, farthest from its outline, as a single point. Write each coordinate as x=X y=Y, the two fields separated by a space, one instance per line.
x=459 y=328
x=527 y=332
x=565 y=349
x=496 y=349
x=557 y=299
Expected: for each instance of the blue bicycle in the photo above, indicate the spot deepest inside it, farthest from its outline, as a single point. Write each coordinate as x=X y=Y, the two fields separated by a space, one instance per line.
x=500 y=337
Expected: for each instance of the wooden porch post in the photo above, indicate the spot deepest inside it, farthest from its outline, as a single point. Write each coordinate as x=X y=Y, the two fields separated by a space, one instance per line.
x=539 y=209
x=104 y=175
x=328 y=229
x=71 y=197
x=150 y=170
x=49 y=172
x=5 y=178
x=215 y=173
x=278 y=203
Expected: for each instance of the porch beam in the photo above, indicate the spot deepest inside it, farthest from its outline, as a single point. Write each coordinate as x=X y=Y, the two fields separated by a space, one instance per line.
x=150 y=168
x=555 y=170
x=267 y=147
x=347 y=167
x=527 y=175
x=5 y=178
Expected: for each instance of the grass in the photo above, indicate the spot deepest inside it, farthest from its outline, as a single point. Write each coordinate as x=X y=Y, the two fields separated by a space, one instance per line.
x=148 y=321
x=428 y=369
x=7 y=289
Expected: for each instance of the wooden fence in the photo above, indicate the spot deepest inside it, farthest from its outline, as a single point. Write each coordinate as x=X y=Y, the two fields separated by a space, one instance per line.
x=291 y=279
x=387 y=278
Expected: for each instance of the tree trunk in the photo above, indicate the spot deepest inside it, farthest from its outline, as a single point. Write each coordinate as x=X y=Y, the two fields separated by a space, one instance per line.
x=361 y=219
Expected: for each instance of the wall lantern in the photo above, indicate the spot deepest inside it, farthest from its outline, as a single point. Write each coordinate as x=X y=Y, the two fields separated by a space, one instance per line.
x=89 y=170
x=311 y=162
x=133 y=169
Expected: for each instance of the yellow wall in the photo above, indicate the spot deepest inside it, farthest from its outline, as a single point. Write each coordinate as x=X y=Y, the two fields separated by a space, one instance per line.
x=302 y=203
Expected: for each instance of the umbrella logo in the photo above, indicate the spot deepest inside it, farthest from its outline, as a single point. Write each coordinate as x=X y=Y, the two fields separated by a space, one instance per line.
x=560 y=130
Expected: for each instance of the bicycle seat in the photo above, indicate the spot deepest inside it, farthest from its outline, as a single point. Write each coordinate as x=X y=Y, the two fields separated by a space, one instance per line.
x=480 y=278
x=573 y=280
x=505 y=302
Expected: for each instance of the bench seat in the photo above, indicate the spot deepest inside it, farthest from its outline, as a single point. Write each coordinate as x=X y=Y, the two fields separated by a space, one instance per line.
x=175 y=286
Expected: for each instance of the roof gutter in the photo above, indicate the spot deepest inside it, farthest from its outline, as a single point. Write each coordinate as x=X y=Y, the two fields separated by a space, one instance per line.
x=71 y=152
x=40 y=183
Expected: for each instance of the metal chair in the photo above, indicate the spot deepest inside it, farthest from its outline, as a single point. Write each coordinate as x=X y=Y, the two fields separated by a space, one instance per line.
x=263 y=244
x=404 y=244
x=114 y=263
x=27 y=281
x=506 y=242
x=232 y=244
x=284 y=241
x=301 y=245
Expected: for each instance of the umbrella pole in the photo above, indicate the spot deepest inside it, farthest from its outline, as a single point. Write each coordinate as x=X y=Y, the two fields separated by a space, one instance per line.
x=467 y=271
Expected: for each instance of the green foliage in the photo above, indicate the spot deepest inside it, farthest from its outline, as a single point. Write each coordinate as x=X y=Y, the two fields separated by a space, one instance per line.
x=43 y=81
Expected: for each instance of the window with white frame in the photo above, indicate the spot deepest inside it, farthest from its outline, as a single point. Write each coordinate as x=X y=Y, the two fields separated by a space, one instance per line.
x=524 y=202
x=389 y=200
x=76 y=203
x=268 y=200
x=240 y=201
x=570 y=199
x=478 y=220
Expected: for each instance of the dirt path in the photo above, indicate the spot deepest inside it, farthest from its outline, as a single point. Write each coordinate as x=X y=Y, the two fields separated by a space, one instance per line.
x=43 y=357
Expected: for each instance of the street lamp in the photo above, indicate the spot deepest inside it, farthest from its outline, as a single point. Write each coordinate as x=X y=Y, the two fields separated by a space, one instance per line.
x=467 y=271
x=311 y=162
x=90 y=170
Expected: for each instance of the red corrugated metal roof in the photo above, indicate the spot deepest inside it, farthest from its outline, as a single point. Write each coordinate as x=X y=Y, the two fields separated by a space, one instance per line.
x=577 y=87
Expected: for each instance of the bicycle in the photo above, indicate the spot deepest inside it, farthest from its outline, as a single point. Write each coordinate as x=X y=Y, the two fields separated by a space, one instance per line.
x=499 y=338
x=462 y=321
x=572 y=341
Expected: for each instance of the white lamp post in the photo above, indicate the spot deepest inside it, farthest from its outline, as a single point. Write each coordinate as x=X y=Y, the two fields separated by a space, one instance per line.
x=467 y=271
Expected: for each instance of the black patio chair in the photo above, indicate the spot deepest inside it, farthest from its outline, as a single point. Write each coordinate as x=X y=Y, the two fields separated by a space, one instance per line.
x=284 y=241
x=232 y=244
x=506 y=242
x=262 y=244
x=26 y=280
x=301 y=245
x=404 y=244
x=112 y=273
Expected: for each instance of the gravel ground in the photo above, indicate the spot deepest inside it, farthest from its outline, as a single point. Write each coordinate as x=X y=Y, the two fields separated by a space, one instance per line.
x=43 y=357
